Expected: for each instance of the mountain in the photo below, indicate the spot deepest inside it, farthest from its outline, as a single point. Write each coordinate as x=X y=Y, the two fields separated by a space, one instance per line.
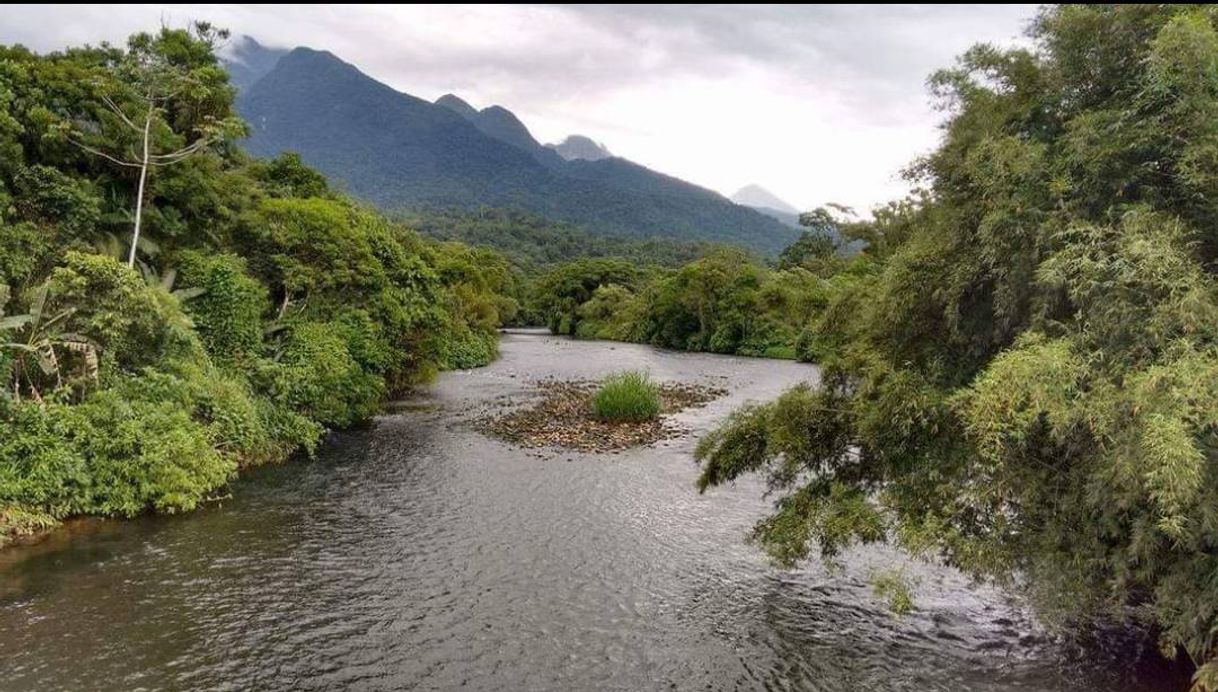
x=503 y=125
x=493 y=121
x=248 y=61
x=389 y=147
x=458 y=105
x=398 y=151
x=762 y=200
x=580 y=147
x=758 y=197
x=786 y=217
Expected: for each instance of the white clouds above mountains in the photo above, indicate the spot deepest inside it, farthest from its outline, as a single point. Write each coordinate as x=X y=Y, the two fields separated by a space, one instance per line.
x=815 y=103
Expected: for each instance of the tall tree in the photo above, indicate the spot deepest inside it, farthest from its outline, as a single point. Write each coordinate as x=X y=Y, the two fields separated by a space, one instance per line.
x=163 y=101
x=1028 y=387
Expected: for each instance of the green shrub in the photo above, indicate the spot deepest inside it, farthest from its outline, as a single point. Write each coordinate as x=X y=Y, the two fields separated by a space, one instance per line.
x=464 y=348
x=288 y=432
x=319 y=378
x=39 y=466
x=778 y=352
x=243 y=426
x=132 y=324
x=228 y=315
x=111 y=454
x=627 y=396
x=364 y=339
x=143 y=454
x=23 y=521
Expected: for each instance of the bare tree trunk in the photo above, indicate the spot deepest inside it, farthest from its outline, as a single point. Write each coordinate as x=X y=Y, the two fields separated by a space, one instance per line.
x=139 y=196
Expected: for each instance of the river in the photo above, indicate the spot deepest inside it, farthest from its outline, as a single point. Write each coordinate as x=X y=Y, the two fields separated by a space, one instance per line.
x=417 y=553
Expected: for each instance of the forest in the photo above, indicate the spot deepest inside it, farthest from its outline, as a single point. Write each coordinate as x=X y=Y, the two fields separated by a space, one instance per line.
x=725 y=301
x=257 y=309
x=1018 y=362
x=1020 y=367
x=534 y=243
x=1023 y=382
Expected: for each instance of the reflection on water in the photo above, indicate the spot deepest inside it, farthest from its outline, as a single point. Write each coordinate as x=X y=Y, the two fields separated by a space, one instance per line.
x=419 y=554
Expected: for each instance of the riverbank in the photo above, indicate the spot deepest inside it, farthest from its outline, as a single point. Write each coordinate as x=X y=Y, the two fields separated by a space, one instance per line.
x=23 y=525
x=421 y=553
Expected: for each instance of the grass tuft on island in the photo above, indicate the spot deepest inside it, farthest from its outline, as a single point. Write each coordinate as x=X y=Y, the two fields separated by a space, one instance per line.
x=569 y=414
x=627 y=396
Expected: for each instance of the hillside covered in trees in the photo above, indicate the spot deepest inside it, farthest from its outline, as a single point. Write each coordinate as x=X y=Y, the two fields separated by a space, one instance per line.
x=257 y=309
x=403 y=152
x=533 y=243
x=1019 y=362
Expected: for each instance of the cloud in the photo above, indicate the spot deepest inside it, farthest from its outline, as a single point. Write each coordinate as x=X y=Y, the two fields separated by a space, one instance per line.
x=818 y=103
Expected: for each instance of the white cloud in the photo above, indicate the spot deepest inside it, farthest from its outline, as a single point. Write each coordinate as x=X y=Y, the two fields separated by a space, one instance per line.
x=816 y=103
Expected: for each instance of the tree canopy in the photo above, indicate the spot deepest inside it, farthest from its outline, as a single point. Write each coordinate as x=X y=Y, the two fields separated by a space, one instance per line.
x=1024 y=381
x=262 y=308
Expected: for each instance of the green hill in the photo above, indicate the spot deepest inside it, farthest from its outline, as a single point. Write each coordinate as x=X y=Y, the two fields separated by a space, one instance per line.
x=402 y=152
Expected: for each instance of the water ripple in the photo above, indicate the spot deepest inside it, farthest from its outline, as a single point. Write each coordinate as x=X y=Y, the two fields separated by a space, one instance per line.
x=420 y=555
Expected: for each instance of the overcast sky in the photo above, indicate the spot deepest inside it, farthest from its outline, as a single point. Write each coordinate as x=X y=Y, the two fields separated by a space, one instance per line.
x=817 y=103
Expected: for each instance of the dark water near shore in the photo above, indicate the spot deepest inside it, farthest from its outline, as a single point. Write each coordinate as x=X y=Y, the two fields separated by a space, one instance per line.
x=419 y=554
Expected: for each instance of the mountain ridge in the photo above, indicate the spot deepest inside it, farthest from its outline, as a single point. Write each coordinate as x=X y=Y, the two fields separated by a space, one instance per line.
x=247 y=61
x=494 y=121
x=400 y=151
x=581 y=147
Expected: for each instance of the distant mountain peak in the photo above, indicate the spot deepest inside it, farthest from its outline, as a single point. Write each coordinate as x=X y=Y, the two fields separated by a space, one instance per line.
x=458 y=105
x=305 y=60
x=581 y=147
x=493 y=121
x=399 y=151
x=502 y=124
x=759 y=197
x=247 y=60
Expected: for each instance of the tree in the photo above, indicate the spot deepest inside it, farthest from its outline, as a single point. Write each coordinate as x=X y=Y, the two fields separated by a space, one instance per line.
x=1025 y=385
x=169 y=100
x=707 y=305
x=560 y=291
x=41 y=342
x=812 y=248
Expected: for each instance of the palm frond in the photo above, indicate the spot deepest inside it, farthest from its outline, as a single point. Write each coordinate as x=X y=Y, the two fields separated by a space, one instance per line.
x=15 y=322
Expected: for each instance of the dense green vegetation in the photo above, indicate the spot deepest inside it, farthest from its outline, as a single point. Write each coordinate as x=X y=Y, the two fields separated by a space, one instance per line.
x=262 y=308
x=533 y=243
x=534 y=246
x=627 y=396
x=1020 y=368
x=1023 y=378
x=727 y=301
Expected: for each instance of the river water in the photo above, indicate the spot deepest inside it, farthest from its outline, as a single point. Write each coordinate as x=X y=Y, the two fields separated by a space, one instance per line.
x=420 y=554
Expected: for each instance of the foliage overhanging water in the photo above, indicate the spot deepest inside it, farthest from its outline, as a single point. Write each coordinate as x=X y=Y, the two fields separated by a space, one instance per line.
x=420 y=554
